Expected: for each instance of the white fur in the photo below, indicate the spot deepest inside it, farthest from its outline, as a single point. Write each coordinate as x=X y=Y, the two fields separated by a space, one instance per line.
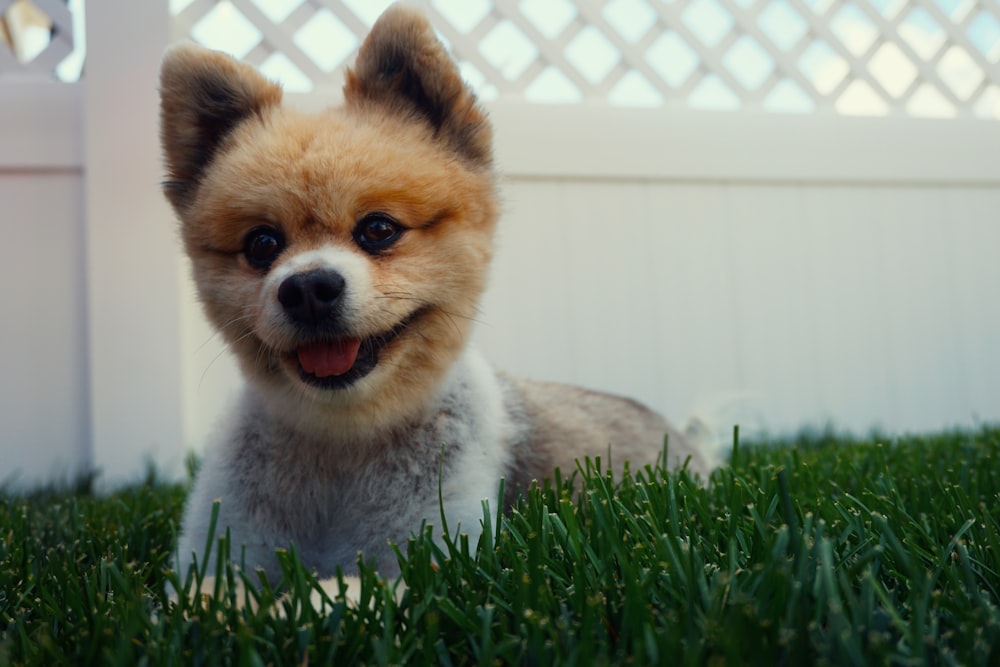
x=279 y=483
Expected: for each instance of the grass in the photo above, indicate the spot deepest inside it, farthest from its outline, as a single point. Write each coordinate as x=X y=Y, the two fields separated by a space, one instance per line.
x=825 y=550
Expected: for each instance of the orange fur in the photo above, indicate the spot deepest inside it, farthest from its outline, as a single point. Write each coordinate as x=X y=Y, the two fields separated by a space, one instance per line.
x=314 y=176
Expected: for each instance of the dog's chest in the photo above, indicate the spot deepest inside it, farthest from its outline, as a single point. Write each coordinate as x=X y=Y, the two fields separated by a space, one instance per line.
x=305 y=493
x=362 y=512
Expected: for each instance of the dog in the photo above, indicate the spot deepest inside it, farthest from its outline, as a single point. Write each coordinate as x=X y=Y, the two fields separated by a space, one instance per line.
x=342 y=256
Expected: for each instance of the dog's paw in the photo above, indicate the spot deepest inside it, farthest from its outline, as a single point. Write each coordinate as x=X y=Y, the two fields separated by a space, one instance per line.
x=331 y=589
x=208 y=589
x=346 y=590
x=322 y=598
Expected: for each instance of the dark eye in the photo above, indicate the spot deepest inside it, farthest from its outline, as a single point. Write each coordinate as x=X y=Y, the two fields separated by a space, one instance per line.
x=376 y=232
x=262 y=246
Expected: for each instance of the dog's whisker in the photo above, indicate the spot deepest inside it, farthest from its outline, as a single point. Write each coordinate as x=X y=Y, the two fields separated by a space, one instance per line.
x=204 y=373
x=218 y=332
x=221 y=353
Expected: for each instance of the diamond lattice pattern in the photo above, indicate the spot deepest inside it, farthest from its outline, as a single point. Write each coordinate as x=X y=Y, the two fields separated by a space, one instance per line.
x=37 y=38
x=926 y=58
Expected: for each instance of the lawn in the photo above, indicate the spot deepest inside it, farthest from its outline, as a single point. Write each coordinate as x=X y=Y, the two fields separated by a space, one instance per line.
x=821 y=550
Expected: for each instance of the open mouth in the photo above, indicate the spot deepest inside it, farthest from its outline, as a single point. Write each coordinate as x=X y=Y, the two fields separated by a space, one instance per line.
x=340 y=362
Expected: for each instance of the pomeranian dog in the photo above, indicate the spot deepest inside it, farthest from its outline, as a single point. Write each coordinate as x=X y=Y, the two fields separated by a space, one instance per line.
x=342 y=256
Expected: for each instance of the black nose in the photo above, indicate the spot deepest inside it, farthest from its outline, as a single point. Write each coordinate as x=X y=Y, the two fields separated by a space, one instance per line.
x=311 y=297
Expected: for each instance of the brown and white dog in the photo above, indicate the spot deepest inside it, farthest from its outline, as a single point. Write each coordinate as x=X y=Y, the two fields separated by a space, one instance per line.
x=342 y=256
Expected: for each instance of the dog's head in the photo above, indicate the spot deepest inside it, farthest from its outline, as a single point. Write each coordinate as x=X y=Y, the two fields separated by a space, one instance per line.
x=341 y=254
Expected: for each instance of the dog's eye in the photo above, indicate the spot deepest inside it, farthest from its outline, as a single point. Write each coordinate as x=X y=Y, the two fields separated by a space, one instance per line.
x=262 y=246
x=376 y=232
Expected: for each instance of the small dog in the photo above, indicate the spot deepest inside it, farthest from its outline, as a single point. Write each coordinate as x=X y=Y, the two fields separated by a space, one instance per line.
x=342 y=255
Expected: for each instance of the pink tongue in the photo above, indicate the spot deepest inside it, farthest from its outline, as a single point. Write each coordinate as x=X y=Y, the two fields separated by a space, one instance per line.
x=326 y=359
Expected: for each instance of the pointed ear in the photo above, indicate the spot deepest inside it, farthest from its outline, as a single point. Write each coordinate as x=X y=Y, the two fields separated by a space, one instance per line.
x=204 y=95
x=403 y=68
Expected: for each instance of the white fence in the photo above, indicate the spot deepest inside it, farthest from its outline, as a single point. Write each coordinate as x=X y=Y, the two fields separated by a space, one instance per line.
x=791 y=269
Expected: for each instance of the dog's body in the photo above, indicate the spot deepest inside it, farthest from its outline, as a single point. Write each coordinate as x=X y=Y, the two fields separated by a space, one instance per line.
x=342 y=256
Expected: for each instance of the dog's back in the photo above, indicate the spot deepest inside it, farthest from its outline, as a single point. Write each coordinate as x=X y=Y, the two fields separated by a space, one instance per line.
x=561 y=424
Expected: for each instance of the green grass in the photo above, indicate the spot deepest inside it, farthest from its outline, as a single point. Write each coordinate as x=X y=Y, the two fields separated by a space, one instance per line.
x=825 y=550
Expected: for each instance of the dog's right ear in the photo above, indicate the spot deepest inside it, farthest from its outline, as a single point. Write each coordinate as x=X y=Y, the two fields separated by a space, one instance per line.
x=204 y=95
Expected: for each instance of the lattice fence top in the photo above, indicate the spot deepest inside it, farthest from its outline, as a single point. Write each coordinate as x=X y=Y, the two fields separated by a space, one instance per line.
x=41 y=38
x=926 y=58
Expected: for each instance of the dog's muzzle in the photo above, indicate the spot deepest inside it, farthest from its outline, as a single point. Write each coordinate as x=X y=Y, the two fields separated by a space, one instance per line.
x=327 y=357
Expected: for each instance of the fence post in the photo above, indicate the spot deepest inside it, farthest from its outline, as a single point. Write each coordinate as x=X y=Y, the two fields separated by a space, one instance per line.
x=132 y=265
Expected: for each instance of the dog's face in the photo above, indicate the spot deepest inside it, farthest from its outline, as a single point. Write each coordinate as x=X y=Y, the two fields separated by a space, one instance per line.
x=342 y=254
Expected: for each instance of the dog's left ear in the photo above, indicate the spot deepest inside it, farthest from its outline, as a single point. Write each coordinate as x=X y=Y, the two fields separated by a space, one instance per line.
x=402 y=67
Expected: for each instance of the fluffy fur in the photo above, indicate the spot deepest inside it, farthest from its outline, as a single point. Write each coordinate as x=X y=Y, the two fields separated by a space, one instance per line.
x=342 y=256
